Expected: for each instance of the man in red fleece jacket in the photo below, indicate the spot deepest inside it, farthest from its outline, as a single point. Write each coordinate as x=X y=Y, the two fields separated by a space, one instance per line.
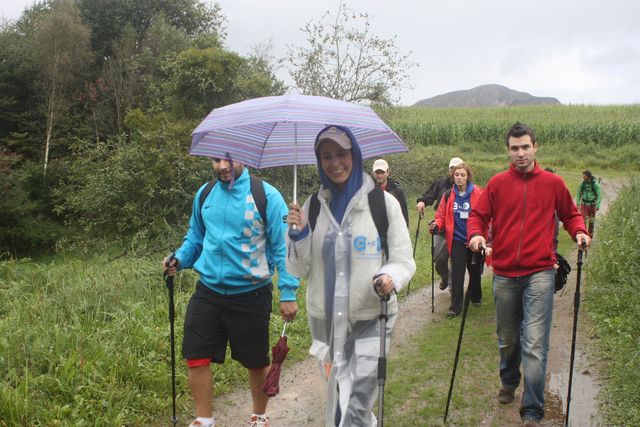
x=520 y=204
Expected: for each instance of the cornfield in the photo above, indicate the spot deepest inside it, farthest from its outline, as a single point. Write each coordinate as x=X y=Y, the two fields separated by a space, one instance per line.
x=609 y=126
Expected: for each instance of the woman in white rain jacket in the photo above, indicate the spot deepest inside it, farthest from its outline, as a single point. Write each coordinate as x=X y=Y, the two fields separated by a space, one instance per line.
x=342 y=258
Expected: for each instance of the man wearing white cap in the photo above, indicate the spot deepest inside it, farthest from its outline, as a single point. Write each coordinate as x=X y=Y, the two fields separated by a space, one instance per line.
x=433 y=196
x=386 y=183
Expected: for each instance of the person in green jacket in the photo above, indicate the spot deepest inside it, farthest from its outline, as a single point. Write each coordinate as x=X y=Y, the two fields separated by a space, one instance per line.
x=588 y=199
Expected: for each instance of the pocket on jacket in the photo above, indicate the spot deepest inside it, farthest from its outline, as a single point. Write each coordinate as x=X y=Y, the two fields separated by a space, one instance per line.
x=367 y=352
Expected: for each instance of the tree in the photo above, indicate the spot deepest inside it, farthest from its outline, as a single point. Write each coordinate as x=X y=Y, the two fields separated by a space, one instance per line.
x=109 y=18
x=205 y=79
x=121 y=78
x=344 y=60
x=19 y=116
x=257 y=77
x=62 y=41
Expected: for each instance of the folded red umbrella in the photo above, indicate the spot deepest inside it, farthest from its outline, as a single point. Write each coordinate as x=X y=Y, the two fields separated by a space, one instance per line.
x=279 y=352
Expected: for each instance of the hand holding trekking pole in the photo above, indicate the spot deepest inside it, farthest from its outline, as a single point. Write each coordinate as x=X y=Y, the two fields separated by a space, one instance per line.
x=383 y=285
x=169 y=266
x=477 y=244
x=584 y=241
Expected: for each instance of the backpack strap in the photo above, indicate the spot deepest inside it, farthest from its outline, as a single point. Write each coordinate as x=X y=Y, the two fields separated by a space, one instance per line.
x=259 y=197
x=378 y=209
x=205 y=194
x=257 y=191
x=446 y=195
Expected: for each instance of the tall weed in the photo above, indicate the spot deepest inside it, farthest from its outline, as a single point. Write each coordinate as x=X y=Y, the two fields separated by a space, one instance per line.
x=613 y=300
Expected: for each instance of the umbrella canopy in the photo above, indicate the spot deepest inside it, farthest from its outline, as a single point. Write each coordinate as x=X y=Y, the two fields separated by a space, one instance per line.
x=279 y=352
x=281 y=130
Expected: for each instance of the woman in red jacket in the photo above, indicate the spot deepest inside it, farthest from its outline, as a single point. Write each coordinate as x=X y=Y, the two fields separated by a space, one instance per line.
x=452 y=214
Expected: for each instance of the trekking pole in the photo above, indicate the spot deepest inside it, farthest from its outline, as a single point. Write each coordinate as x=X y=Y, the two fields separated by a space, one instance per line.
x=169 y=281
x=433 y=274
x=576 y=307
x=415 y=246
x=382 y=359
x=467 y=298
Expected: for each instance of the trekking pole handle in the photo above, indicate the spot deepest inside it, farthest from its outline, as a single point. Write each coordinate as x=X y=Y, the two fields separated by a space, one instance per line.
x=481 y=250
x=377 y=285
x=583 y=243
x=169 y=258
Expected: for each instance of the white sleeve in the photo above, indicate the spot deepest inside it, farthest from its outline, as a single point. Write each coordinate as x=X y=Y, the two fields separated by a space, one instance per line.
x=400 y=266
x=299 y=252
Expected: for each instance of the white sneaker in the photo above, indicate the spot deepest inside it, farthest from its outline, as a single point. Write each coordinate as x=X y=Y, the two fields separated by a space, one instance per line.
x=198 y=423
x=259 y=421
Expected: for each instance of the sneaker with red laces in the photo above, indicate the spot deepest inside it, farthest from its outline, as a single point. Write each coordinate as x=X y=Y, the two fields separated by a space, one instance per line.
x=259 y=421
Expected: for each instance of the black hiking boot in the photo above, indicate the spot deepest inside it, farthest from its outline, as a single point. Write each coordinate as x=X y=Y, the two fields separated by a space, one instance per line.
x=506 y=396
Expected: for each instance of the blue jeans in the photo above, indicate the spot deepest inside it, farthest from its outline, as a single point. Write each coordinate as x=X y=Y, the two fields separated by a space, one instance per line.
x=524 y=310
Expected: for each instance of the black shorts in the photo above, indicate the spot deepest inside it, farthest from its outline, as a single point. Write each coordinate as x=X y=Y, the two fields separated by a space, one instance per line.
x=242 y=320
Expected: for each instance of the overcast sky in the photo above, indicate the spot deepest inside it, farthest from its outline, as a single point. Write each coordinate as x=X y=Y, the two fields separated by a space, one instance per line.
x=579 y=51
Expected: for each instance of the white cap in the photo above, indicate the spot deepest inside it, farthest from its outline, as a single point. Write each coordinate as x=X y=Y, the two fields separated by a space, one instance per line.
x=380 y=164
x=455 y=162
x=336 y=135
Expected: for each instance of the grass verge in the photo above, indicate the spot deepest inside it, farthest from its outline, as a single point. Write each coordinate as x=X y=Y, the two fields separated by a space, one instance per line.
x=614 y=305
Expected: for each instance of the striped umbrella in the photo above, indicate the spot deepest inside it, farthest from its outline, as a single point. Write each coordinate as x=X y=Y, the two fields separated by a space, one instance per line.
x=281 y=130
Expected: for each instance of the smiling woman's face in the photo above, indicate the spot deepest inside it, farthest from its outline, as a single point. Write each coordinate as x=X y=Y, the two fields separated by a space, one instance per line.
x=336 y=162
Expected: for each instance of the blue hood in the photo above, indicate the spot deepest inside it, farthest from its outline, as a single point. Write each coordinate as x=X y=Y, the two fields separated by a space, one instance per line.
x=340 y=199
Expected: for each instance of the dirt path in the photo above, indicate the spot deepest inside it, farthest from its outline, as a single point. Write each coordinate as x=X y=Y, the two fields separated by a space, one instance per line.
x=301 y=402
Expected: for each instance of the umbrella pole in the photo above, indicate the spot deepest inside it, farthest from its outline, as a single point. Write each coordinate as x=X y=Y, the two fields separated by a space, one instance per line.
x=295 y=164
x=294 y=229
x=295 y=182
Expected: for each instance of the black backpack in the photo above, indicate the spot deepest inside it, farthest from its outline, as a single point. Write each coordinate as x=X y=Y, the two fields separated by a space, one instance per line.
x=378 y=210
x=257 y=191
x=561 y=273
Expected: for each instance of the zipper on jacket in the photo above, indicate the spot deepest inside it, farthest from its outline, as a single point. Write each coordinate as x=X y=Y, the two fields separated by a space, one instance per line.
x=224 y=227
x=524 y=209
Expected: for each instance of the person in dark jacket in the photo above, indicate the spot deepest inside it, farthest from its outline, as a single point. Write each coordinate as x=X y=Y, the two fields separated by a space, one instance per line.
x=433 y=196
x=381 y=176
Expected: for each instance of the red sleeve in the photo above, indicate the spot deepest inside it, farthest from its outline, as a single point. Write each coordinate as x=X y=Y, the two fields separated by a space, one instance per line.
x=441 y=217
x=481 y=214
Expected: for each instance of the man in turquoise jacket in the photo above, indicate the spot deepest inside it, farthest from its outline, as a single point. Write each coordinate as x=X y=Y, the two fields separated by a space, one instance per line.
x=234 y=251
